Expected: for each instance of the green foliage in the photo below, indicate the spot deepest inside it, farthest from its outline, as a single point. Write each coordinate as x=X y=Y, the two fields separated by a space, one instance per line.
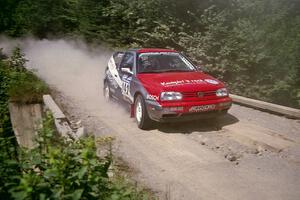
x=57 y=168
x=7 y=21
x=23 y=85
x=42 y=18
x=5 y=125
x=9 y=167
x=17 y=61
x=253 y=46
x=61 y=169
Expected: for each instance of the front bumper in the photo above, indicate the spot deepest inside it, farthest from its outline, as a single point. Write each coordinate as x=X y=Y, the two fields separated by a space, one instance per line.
x=185 y=111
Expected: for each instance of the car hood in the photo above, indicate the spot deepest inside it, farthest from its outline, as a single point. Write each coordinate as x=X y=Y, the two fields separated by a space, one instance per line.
x=155 y=83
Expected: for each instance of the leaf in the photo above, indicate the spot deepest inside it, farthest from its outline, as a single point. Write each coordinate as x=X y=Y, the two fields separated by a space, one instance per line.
x=115 y=197
x=82 y=172
x=77 y=194
x=42 y=196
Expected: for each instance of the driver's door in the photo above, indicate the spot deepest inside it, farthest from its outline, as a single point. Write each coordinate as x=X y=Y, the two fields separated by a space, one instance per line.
x=125 y=72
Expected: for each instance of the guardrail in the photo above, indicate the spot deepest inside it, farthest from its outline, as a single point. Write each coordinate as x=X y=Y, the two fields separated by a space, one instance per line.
x=274 y=108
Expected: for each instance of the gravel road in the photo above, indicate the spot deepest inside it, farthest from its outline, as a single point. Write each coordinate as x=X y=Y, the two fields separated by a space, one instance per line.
x=192 y=160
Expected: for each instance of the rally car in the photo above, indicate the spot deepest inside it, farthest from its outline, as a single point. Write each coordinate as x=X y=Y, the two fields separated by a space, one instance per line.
x=163 y=85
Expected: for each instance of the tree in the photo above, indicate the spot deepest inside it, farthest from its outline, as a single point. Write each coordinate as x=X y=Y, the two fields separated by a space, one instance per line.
x=42 y=17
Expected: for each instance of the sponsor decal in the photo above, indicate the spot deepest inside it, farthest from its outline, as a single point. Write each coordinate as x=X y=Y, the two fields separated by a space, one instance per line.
x=211 y=81
x=202 y=108
x=126 y=85
x=125 y=89
x=113 y=70
x=181 y=82
x=152 y=97
x=172 y=83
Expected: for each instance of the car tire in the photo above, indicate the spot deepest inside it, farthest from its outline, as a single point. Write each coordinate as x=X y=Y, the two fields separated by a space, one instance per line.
x=106 y=92
x=140 y=113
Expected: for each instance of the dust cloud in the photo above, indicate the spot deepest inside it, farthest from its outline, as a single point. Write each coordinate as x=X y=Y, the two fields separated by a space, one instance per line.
x=71 y=67
x=52 y=59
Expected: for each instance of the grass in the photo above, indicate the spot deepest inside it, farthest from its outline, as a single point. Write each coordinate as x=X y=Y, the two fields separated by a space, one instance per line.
x=20 y=84
x=26 y=88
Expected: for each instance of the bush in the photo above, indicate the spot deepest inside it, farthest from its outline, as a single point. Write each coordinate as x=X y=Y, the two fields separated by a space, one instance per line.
x=61 y=169
x=5 y=125
x=9 y=167
x=57 y=168
x=24 y=86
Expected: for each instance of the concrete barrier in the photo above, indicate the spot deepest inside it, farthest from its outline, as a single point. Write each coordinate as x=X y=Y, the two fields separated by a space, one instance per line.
x=60 y=120
x=51 y=105
x=274 y=108
x=26 y=120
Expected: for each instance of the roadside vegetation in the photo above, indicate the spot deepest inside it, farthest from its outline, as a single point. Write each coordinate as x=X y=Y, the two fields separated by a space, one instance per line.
x=254 y=46
x=16 y=85
x=56 y=167
x=24 y=86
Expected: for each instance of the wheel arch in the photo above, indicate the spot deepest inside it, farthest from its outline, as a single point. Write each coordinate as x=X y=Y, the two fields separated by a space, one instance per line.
x=132 y=111
x=136 y=94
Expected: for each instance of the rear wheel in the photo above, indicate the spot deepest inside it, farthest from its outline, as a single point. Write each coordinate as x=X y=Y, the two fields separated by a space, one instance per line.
x=106 y=92
x=141 y=114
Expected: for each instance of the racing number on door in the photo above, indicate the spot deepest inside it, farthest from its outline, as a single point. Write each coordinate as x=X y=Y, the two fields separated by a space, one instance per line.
x=127 y=62
x=125 y=88
x=126 y=85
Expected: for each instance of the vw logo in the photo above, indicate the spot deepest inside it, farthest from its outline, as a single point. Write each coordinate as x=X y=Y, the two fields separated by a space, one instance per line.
x=200 y=94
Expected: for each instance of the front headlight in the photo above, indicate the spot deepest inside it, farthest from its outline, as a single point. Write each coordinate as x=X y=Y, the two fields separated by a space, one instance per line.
x=170 y=96
x=222 y=92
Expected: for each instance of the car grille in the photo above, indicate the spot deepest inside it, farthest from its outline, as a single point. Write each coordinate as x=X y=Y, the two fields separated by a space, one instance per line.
x=196 y=94
x=199 y=95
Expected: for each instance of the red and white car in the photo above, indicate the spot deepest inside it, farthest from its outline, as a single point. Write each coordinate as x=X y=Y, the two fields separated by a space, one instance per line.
x=163 y=85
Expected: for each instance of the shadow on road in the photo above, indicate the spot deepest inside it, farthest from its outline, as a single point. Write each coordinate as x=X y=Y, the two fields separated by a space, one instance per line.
x=204 y=125
x=187 y=127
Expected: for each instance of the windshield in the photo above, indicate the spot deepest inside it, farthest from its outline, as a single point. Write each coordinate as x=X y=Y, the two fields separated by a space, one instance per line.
x=163 y=62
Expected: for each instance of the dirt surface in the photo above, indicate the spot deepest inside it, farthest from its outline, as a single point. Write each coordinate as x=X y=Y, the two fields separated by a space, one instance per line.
x=247 y=154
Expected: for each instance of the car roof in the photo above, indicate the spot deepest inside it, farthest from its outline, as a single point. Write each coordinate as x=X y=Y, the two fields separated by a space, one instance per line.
x=149 y=50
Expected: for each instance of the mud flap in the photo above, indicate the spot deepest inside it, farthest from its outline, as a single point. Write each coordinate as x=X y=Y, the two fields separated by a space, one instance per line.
x=132 y=110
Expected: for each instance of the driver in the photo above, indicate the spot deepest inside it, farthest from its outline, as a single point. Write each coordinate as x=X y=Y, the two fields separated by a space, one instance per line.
x=148 y=63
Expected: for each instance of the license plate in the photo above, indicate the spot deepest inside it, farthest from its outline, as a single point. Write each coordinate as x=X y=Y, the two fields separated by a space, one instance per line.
x=202 y=108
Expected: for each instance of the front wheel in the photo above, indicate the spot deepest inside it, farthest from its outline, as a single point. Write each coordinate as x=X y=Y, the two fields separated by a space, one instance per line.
x=141 y=114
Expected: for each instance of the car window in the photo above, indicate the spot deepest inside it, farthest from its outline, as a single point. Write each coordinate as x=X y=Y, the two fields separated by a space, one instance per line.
x=128 y=60
x=163 y=62
x=118 y=57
